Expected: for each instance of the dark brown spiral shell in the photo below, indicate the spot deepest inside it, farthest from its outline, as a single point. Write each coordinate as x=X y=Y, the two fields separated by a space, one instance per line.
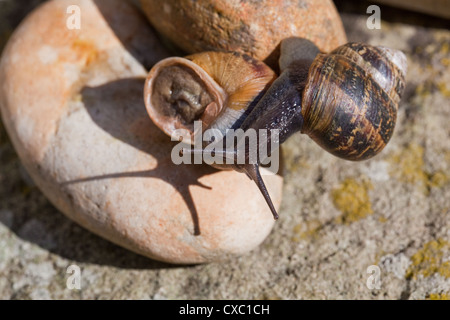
x=351 y=98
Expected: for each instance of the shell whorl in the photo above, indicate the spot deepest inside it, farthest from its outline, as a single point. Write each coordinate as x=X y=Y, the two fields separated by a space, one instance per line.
x=387 y=66
x=350 y=101
x=218 y=88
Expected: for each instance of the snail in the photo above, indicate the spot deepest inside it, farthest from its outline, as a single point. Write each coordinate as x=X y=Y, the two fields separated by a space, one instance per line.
x=345 y=100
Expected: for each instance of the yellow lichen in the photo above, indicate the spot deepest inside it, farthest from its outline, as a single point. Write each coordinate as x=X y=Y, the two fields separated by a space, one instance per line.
x=430 y=260
x=438 y=296
x=438 y=179
x=445 y=48
x=442 y=86
x=408 y=166
x=306 y=230
x=409 y=163
x=382 y=219
x=352 y=199
x=445 y=62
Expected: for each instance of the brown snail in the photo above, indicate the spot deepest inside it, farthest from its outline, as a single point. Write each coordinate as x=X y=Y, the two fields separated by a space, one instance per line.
x=214 y=87
x=252 y=27
x=346 y=100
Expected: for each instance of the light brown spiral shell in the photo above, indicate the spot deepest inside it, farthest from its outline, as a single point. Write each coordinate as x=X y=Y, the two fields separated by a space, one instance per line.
x=217 y=88
x=351 y=100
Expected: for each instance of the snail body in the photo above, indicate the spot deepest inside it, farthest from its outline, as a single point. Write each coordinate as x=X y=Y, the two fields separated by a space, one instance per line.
x=346 y=101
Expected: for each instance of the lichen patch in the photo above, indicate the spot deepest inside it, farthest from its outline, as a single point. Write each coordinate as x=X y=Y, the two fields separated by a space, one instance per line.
x=307 y=230
x=408 y=165
x=432 y=259
x=438 y=296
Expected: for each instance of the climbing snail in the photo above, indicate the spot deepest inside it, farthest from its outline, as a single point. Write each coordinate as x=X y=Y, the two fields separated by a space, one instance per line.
x=346 y=100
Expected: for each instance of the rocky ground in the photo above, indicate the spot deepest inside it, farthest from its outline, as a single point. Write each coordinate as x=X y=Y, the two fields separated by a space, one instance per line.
x=372 y=230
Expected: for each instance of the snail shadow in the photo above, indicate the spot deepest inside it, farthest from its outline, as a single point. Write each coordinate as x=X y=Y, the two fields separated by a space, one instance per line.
x=36 y=220
x=40 y=223
x=118 y=108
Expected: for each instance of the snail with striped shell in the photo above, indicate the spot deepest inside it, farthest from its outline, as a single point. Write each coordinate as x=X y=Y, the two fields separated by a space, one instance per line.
x=346 y=100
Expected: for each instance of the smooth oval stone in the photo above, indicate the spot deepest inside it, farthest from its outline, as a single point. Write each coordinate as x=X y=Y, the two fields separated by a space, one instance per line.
x=252 y=27
x=72 y=103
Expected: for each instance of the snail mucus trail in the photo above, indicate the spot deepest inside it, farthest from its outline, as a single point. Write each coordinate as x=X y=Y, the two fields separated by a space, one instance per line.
x=346 y=100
